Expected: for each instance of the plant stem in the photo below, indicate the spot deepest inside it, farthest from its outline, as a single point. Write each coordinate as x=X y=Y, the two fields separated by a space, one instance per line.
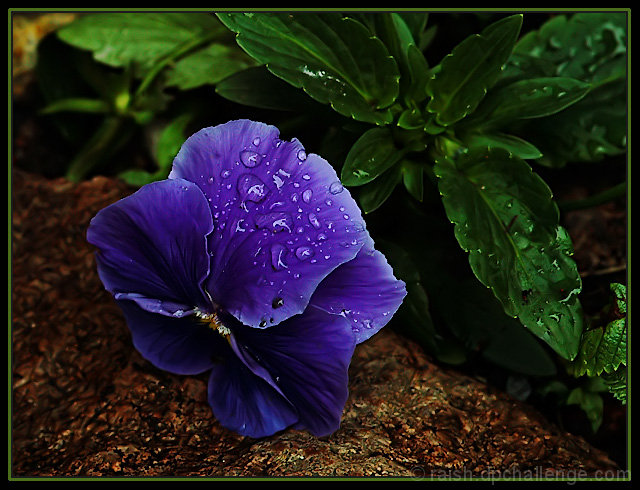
x=595 y=200
x=177 y=53
x=96 y=149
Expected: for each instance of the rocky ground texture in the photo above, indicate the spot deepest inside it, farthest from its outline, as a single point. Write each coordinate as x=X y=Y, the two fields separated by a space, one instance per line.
x=85 y=403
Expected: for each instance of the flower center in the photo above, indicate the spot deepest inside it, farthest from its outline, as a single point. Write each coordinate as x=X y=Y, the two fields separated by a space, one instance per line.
x=212 y=321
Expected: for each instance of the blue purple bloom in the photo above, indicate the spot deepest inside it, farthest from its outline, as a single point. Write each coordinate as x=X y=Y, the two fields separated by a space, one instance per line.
x=250 y=261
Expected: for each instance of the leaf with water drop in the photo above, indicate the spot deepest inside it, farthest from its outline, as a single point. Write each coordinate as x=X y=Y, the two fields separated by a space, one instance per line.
x=332 y=58
x=370 y=156
x=506 y=219
x=604 y=349
x=519 y=147
x=470 y=70
x=527 y=99
x=591 y=47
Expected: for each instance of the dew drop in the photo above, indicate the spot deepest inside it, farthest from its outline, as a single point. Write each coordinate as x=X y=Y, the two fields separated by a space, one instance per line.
x=225 y=174
x=276 y=222
x=210 y=180
x=313 y=219
x=277 y=181
x=336 y=188
x=306 y=195
x=249 y=158
x=256 y=141
x=302 y=155
x=306 y=177
x=278 y=252
x=251 y=188
x=304 y=252
x=277 y=303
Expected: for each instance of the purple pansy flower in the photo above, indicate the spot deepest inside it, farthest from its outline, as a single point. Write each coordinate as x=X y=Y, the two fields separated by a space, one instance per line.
x=252 y=262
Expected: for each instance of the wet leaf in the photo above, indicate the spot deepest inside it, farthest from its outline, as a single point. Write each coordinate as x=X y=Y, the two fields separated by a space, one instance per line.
x=505 y=218
x=519 y=147
x=604 y=349
x=370 y=156
x=471 y=69
x=333 y=58
x=528 y=99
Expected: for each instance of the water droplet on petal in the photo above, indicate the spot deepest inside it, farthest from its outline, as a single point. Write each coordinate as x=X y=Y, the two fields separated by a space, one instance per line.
x=251 y=188
x=277 y=303
x=249 y=158
x=304 y=252
x=313 y=219
x=336 y=188
x=302 y=155
x=225 y=173
x=276 y=222
x=256 y=141
x=210 y=180
x=277 y=181
x=278 y=253
x=306 y=195
x=306 y=177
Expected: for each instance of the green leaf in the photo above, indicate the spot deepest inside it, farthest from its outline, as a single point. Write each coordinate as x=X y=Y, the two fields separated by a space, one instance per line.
x=588 y=131
x=528 y=99
x=587 y=46
x=413 y=178
x=591 y=403
x=515 y=349
x=92 y=106
x=334 y=59
x=370 y=156
x=416 y=22
x=207 y=66
x=505 y=218
x=411 y=119
x=617 y=384
x=519 y=147
x=169 y=142
x=374 y=194
x=604 y=349
x=471 y=69
x=142 y=38
x=464 y=313
x=257 y=87
x=419 y=75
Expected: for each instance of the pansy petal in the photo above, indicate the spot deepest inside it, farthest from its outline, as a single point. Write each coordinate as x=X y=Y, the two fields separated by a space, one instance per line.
x=282 y=220
x=245 y=403
x=152 y=246
x=177 y=345
x=308 y=358
x=364 y=290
